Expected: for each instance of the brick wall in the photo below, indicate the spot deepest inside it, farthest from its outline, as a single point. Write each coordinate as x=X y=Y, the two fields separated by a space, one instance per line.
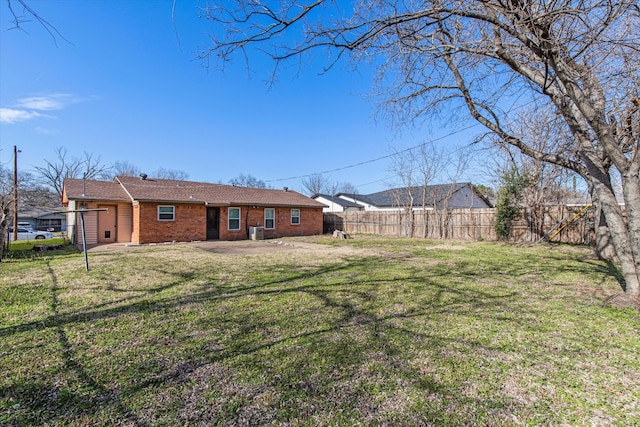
x=310 y=223
x=190 y=223
x=225 y=233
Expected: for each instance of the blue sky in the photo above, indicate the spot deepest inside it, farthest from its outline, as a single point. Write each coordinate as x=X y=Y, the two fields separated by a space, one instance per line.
x=128 y=87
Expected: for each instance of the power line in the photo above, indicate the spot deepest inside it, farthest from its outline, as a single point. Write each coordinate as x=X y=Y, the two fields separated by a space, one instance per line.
x=376 y=159
x=511 y=109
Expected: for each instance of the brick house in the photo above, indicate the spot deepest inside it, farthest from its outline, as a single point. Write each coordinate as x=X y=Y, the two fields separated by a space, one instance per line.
x=146 y=210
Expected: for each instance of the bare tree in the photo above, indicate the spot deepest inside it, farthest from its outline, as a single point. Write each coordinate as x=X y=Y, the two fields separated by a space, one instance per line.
x=174 y=174
x=316 y=184
x=30 y=194
x=343 y=187
x=578 y=58
x=488 y=192
x=125 y=168
x=54 y=172
x=404 y=164
x=546 y=183
x=321 y=184
x=4 y=219
x=457 y=163
x=6 y=198
x=21 y=12
x=243 y=180
x=417 y=170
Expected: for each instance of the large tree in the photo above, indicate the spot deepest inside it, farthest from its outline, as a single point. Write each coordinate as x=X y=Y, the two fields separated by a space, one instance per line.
x=248 y=180
x=30 y=194
x=539 y=184
x=415 y=170
x=64 y=166
x=6 y=199
x=578 y=57
x=126 y=168
x=319 y=183
x=174 y=174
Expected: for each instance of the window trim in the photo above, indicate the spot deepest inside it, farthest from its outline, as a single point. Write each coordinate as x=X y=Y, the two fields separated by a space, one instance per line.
x=239 y=219
x=172 y=213
x=273 y=218
x=295 y=216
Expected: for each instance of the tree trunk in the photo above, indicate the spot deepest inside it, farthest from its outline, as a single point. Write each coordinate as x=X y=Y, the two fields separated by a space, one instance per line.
x=619 y=236
x=604 y=248
x=631 y=193
x=4 y=214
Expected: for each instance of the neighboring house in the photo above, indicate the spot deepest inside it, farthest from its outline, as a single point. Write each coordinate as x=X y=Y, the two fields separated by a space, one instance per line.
x=44 y=218
x=337 y=204
x=441 y=196
x=141 y=210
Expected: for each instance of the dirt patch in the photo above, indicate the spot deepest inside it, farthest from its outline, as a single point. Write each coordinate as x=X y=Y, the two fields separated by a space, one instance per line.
x=239 y=247
x=622 y=301
x=243 y=247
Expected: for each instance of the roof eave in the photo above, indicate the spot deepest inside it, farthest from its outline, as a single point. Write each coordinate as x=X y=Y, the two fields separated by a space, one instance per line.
x=190 y=202
x=95 y=199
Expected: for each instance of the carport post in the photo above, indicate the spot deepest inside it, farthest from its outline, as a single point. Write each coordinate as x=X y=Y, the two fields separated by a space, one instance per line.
x=84 y=238
x=82 y=210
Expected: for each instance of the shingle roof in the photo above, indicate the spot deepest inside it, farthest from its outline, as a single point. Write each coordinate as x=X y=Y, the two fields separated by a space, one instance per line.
x=162 y=190
x=80 y=189
x=433 y=195
x=41 y=212
x=337 y=200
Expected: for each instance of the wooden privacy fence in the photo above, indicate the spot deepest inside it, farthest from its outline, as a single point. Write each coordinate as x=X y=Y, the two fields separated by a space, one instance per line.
x=467 y=224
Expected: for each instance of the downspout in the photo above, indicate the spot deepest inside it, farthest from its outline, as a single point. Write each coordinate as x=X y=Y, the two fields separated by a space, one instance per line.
x=246 y=222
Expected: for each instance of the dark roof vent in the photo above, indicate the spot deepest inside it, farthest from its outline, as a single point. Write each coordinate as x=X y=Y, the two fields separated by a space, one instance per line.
x=143 y=176
x=286 y=188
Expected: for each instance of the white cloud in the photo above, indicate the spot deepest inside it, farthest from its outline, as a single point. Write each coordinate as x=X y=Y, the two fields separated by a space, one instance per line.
x=11 y=116
x=31 y=107
x=56 y=101
x=46 y=131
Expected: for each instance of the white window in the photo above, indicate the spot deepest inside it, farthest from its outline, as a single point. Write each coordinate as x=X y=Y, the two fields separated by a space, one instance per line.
x=270 y=218
x=295 y=216
x=234 y=218
x=166 y=213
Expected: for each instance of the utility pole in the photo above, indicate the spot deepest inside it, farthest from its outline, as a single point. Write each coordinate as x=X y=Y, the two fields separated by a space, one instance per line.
x=15 y=193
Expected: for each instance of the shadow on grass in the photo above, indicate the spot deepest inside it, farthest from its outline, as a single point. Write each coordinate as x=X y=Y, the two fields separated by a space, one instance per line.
x=49 y=402
x=330 y=369
x=611 y=269
x=24 y=250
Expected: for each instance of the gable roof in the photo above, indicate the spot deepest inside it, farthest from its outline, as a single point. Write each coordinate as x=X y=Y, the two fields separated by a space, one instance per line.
x=337 y=200
x=126 y=188
x=81 y=189
x=41 y=212
x=433 y=196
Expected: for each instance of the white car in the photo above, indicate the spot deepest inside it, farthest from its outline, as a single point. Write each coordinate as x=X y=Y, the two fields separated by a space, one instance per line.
x=28 y=234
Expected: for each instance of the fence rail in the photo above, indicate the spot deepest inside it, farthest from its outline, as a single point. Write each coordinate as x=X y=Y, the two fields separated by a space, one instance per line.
x=467 y=224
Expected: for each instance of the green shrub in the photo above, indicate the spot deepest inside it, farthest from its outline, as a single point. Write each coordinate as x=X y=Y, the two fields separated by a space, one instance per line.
x=509 y=196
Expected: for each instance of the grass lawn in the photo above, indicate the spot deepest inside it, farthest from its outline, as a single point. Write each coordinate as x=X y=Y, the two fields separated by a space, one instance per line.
x=24 y=248
x=369 y=331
